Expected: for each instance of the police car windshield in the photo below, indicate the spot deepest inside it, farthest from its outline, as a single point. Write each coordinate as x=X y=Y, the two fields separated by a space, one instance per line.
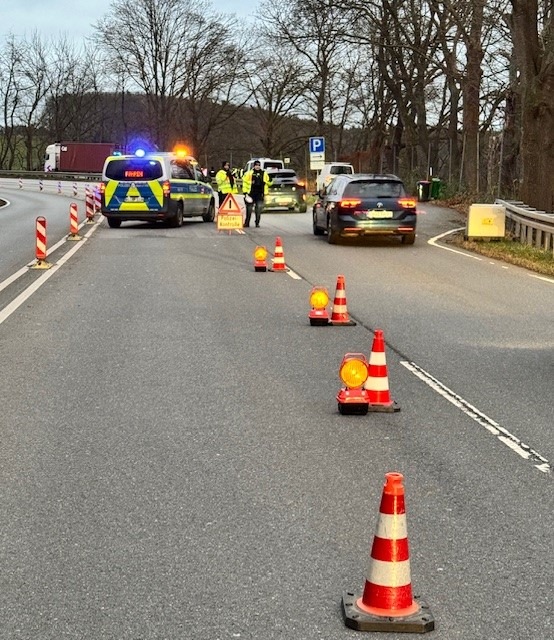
x=134 y=169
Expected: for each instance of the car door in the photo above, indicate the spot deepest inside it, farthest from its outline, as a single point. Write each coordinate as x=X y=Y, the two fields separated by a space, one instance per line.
x=204 y=190
x=185 y=186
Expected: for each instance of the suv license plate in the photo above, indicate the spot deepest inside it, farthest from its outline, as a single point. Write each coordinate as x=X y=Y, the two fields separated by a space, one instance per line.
x=379 y=214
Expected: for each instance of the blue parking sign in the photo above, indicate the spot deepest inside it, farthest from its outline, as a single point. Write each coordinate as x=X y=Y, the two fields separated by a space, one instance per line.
x=317 y=145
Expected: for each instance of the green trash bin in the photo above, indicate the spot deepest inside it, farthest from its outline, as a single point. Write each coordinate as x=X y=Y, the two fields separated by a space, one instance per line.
x=435 y=188
x=423 y=190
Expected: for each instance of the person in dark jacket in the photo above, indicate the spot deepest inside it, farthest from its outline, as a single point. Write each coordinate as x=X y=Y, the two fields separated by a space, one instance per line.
x=255 y=184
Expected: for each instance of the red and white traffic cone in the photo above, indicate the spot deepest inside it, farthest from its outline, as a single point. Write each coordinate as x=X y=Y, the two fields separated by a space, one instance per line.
x=387 y=603
x=279 y=257
x=377 y=383
x=339 y=314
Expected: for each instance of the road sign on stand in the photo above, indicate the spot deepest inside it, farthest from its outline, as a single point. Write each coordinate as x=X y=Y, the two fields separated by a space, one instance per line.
x=229 y=215
x=317 y=153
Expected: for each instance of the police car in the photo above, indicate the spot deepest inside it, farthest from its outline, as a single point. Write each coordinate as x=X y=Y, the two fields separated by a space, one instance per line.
x=157 y=186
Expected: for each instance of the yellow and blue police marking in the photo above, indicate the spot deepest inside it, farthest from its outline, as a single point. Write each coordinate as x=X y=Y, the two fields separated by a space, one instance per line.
x=146 y=196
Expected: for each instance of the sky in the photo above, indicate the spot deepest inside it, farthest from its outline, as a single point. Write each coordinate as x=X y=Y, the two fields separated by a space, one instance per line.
x=74 y=18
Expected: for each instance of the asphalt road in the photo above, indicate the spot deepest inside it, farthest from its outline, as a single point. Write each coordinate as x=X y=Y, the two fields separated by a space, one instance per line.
x=173 y=464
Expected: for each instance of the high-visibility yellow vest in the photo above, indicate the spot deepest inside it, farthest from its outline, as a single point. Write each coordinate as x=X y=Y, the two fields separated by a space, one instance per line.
x=223 y=182
x=247 y=182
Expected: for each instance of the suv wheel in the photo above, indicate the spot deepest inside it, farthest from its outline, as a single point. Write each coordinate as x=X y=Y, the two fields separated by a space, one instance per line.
x=332 y=236
x=318 y=231
x=408 y=238
x=114 y=223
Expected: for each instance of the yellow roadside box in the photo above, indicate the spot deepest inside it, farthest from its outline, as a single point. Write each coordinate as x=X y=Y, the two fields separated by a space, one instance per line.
x=486 y=221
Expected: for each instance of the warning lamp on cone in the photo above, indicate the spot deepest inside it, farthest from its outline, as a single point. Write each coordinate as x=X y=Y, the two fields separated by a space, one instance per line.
x=353 y=371
x=260 y=259
x=319 y=299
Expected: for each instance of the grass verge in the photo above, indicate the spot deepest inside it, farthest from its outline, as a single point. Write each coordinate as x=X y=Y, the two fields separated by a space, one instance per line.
x=508 y=250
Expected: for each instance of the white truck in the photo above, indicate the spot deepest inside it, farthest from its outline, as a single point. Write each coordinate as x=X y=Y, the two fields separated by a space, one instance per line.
x=329 y=171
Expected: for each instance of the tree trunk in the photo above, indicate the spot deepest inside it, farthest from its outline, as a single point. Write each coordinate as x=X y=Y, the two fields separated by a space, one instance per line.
x=471 y=91
x=535 y=55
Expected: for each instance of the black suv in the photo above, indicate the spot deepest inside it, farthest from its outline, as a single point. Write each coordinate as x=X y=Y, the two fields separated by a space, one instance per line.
x=364 y=204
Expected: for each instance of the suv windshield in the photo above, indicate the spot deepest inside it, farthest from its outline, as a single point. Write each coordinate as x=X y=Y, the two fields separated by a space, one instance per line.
x=375 y=189
x=134 y=169
x=289 y=175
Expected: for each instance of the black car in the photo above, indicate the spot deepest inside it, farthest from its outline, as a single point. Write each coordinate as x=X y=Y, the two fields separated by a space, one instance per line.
x=365 y=205
x=286 y=191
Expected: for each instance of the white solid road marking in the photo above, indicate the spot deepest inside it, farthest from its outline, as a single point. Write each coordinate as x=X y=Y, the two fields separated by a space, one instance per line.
x=433 y=242
x=503 y=435
x=7 y=311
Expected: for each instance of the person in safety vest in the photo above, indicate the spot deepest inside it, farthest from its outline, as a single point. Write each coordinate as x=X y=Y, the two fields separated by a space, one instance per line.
x=255 y=185
x=225 y=181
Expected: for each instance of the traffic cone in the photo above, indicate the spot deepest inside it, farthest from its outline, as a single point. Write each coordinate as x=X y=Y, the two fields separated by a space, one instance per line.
x=279 y=257
x=387 y=603
x=377 y=383
x=339 y=315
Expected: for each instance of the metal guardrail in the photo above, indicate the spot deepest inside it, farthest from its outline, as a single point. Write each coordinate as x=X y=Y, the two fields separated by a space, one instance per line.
x=529 y=226
x=53 y=175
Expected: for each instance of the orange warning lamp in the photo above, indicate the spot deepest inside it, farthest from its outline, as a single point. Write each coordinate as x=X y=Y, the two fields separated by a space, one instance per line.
x=353 y=371
x=180 y=151
x=260 y=259
x=319 y=299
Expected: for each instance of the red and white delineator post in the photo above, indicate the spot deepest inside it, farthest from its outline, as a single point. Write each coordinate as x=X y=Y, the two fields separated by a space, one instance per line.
x=40 y=244
x=73 y=223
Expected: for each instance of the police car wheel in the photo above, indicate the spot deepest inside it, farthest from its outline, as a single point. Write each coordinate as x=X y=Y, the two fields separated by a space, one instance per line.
x=210 y=213
x=177 y=219
x=113 y=223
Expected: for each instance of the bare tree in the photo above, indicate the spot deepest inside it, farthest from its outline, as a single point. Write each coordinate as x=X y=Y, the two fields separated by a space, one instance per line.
x=76 y=105
x=315 y=30
x=164 y=47
x=276 y=83
x=10 y=96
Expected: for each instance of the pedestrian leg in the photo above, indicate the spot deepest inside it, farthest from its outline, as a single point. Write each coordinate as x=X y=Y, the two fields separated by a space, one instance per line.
x=249 y=206
x=259 y=207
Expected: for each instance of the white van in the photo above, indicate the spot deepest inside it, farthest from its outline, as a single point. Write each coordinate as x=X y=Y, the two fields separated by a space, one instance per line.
x=329 y=171
x=267 y=163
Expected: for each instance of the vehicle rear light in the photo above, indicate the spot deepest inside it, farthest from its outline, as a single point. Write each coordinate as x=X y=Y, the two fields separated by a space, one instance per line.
x=407 y=203
x=166 y=187
x=349 y=203
x=102 y=188
x=410 y=229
